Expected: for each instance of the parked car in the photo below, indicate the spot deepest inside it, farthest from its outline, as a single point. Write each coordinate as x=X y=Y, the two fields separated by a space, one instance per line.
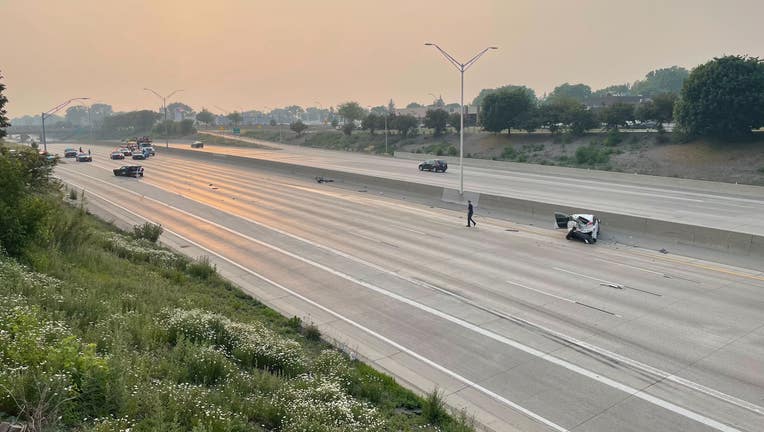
x=139 y=156
x=126 y=152
x=584 y=227
x=197 y=144
x=433 y=165
x=129 y=171
x=84 y=157
x=116 y=155
x=70 y=153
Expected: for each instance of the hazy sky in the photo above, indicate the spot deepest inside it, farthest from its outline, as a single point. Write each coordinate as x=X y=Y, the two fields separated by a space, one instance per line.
x=252 y=54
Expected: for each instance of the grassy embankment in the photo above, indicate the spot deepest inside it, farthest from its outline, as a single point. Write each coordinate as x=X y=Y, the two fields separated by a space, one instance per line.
x=102 y=330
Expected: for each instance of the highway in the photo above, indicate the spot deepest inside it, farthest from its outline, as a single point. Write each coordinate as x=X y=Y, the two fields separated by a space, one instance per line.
x=524 y=330
x=717 y=205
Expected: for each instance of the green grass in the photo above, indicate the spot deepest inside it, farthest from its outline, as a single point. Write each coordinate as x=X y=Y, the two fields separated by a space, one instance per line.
x=102 y=330
x=218 y=140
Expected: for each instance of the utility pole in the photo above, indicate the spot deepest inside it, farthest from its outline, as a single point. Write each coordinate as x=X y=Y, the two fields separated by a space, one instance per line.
x=164 y=107
x=49 y=113
x=461 y=67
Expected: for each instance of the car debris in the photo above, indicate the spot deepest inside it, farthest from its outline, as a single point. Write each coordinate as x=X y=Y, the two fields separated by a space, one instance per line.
x=321 y=179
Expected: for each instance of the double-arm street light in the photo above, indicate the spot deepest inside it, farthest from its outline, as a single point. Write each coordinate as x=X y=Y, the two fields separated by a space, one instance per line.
x=164 y=107
x=462 y=67
x=49 y=113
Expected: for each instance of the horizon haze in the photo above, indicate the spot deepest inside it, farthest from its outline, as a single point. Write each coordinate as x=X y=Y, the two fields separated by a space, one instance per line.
x=246 y=55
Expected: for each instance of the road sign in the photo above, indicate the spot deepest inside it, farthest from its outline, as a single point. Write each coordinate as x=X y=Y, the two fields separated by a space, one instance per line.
x=236 y=131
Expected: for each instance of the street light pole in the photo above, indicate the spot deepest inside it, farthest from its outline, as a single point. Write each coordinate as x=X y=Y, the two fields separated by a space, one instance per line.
x=461 y=67
x=49 y=113
x=164 y=107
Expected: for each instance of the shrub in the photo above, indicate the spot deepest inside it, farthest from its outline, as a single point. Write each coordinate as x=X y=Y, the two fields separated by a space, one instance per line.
x=201 y=268
x=311 y=332
x=148 y=231
x=509 y=153
x=591 y=155
x=434 y=408
x=72 y=194
x=613 y=138
x=452 y=151
x=761 y=170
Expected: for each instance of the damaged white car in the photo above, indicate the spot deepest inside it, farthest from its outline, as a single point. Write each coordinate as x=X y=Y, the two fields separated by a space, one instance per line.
x=583 y=227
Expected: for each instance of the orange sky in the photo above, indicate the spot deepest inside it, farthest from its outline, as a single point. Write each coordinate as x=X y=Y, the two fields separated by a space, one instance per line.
x=249 y=54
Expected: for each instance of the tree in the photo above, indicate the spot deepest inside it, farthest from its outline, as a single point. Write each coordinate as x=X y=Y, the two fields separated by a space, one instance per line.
x=351 y=111
x=186 y=127
x=348 y=128
x=28 y=199
x=664 y=108
x=455 y=121
x=579 y=119
x=617 y=90
x=617 y=115
x=668 y=80
x=100 y=111
x=234 y=117
x=437 y=120
x=77 y=115
x=506 y=109
x=205 y=117
x=723 y=98
x=129 y=123
x=273 y=122
x=3 y=113
x=577 y=92
x=370 y=123
x=298 y=127
x=404 y=124
x=414 y=105
x=179 y=107
x=478 y=101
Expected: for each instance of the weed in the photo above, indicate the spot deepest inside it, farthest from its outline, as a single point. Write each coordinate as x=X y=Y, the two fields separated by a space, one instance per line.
x=613 y=138
x=72 y=194
x=434 y=407
x=148 y=231
x=591 y=155
x=311 y=332
x=509 y=153
x=200 y=268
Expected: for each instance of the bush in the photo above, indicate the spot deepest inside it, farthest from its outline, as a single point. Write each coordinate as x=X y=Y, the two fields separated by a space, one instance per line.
x=591 y=155
x=72 y=194
x=434 y=408
x=148 y=231
x=311 y=332
x=452 y=151
x=761 y=170
x=509 y=153
x=613 y=138
x=201 y=268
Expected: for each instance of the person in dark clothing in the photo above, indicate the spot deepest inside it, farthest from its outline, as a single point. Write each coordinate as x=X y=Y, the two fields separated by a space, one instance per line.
x=80 y=149
x=470 y=212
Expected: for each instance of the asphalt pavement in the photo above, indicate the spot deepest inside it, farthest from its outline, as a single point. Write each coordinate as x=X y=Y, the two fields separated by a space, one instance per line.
x=524 y=330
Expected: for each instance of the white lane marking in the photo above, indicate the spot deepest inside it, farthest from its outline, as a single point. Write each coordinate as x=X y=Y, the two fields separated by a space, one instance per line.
x=608 y=283
x=631 y=266
x=601 y=351
x=458 y=321
x=355 y=324
x=564 y=298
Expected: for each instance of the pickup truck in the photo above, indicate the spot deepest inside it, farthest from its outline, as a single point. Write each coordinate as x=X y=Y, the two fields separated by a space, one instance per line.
x=129 y=171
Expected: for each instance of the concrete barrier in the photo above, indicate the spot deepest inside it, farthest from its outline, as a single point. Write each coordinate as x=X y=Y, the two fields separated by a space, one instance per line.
x=618 y=227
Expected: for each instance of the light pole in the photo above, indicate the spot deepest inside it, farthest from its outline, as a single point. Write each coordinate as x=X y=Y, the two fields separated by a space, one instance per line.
x=462 y=67
x=49 y=113
x=164 y=107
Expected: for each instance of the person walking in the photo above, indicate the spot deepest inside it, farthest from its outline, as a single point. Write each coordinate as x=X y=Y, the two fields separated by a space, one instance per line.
x=470 y=212
x=88 y=152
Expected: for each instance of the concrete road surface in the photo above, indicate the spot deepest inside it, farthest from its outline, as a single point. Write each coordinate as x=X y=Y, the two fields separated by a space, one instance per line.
x=521 y=328
x=718 y=205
